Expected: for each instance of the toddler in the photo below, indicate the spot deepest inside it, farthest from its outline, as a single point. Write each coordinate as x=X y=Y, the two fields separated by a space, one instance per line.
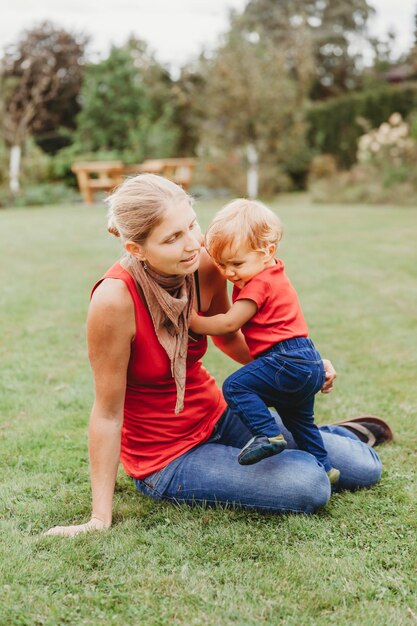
x=287 y=370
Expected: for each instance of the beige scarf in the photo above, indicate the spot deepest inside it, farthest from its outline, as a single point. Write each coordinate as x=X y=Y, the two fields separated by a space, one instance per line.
x=170 y=300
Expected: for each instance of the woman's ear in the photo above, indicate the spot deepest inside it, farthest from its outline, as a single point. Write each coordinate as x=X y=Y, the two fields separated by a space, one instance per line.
x=134 y=249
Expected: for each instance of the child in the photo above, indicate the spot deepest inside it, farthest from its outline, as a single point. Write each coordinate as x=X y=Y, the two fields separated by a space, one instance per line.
x=287 y=370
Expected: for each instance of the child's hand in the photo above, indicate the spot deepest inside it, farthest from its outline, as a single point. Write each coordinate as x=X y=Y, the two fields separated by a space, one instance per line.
x=330 y=376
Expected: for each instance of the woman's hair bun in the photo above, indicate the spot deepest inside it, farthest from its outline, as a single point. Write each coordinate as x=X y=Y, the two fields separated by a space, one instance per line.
x=113 y=230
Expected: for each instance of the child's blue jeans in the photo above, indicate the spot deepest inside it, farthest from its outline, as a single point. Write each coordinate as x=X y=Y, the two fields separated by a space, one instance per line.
x=285 y=377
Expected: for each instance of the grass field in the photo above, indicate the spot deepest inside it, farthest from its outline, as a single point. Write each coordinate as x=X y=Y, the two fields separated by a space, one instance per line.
x=355 y=269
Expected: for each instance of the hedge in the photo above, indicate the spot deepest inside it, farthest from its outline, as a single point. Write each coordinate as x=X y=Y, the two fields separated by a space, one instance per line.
x=334 y=125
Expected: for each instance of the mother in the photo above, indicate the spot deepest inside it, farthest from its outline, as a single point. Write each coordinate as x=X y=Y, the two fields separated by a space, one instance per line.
x=156 y=408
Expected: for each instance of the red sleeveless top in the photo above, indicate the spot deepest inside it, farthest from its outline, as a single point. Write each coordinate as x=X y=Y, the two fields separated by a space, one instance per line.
x=152 y=434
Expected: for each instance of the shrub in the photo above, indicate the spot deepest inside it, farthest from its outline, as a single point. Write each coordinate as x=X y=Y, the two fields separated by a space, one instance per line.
x=322 y=166
x=4 y=163
x=228 y=173
x=389 y=144
x=337 y=124
x=35 y=164
x=391 y=151
x=39 y=195
x=385 y=172
x=64 y=159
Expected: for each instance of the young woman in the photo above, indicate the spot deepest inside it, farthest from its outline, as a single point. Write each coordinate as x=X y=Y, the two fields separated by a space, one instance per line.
x=156 y=408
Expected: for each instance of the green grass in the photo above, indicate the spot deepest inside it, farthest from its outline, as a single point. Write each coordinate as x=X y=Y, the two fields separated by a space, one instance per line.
x=353 y=563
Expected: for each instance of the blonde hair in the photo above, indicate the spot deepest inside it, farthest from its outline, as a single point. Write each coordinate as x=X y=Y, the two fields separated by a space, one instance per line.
x=243 y=222
x=137 y=206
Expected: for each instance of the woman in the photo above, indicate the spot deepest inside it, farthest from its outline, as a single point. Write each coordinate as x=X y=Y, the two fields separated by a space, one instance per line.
x=156 y=408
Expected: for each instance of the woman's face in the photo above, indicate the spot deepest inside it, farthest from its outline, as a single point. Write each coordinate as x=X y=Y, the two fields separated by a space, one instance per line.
x=173 y=247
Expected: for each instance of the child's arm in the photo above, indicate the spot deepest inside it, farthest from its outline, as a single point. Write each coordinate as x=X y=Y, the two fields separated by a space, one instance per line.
x=238 y=314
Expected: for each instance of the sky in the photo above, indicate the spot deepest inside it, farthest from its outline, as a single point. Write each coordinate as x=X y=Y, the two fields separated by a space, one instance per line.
x=176 y=30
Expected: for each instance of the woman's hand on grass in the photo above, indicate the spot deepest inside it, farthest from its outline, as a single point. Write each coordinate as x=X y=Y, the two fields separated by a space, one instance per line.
x=330 y=376
x=71 y=531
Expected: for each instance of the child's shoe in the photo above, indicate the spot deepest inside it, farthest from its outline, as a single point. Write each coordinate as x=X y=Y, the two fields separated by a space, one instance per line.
x=260 y=447
x=334 y=476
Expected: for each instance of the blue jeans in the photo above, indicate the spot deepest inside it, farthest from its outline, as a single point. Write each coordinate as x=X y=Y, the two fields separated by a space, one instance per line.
x=285 y=377
x=292 y=481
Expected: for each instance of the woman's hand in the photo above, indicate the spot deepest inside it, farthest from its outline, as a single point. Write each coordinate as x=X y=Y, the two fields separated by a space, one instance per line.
x=71 y=531
x=330 y=376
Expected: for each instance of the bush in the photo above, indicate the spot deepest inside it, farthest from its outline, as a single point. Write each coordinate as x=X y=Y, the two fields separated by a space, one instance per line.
x=363 y=185
x=65 y=158
x=337 y=124
x=35 y=165
x=4 y=163
x=39 y=195
x=385 y=172
x=228 y=173
x=322 y=166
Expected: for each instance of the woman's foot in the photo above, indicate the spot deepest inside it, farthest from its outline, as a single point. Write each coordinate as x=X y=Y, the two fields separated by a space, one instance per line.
x=261 y=447
x=370 y=429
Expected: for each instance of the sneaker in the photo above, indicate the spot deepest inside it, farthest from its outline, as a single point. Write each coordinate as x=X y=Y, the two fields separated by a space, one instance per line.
x=333 y=475
x=261 y=447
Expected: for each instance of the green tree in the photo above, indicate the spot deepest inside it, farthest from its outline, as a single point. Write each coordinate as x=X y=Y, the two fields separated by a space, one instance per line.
x=415 y=27
x=252 y=111
x=413 y=51
x=126 y=105
x=187 y=111
x=327 y=27
x=40 y=77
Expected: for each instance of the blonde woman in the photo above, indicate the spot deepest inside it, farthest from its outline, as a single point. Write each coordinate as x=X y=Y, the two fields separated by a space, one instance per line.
x=156 y=409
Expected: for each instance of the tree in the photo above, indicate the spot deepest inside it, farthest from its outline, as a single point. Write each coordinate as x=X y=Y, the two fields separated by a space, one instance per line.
x=111 y=103
x=40 y=77
x=187 y=112
x=328 y=27
x=413 y=51
x=126 y=105
x=251 y=107
x=415 y=28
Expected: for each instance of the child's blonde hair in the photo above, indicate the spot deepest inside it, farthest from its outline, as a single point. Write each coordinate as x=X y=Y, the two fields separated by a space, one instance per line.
x=243 y=222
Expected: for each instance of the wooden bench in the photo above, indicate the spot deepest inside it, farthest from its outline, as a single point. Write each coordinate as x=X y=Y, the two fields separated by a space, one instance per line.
x=95 y=176
x=179 y=170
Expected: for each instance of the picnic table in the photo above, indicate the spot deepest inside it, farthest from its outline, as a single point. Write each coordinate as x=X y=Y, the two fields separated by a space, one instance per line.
x=95 y=176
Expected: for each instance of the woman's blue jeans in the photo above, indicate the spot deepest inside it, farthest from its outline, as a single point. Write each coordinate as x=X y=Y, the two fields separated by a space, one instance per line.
x=293 y=481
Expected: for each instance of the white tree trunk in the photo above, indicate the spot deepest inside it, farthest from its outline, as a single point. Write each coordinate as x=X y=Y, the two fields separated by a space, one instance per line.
x=252 y=173
x=14 y=168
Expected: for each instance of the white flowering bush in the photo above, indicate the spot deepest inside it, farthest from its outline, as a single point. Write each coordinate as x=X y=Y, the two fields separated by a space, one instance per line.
x=385 y=172
x=390 y=144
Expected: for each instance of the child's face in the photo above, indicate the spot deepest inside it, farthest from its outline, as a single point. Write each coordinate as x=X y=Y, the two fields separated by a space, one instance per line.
x=240 y=266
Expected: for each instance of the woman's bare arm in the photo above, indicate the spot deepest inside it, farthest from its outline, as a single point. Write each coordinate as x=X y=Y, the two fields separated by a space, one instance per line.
x=110 y=330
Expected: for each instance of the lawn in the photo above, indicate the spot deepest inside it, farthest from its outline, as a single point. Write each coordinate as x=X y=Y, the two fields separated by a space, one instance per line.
x=355 y=269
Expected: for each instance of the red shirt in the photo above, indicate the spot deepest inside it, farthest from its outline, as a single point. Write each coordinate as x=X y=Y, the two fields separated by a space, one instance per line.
x=279 y=315
x=152 y=434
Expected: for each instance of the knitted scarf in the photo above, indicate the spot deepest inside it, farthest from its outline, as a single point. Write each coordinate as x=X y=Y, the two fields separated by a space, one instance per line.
x=170 y=300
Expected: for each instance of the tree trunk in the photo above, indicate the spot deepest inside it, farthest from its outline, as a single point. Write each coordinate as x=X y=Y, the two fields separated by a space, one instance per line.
x=14 y=168
x=252 y=173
